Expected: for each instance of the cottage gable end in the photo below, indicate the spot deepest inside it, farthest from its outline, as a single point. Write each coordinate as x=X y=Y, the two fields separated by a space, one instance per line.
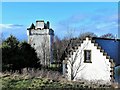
x=101 y=66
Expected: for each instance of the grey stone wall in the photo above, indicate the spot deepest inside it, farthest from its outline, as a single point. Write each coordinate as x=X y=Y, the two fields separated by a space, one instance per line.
x=41 y=38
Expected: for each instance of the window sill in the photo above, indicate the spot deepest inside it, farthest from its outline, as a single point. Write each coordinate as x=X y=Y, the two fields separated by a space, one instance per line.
x=87 y=62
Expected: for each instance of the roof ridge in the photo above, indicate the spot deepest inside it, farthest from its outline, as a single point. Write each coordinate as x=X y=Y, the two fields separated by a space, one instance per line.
x=116 y=39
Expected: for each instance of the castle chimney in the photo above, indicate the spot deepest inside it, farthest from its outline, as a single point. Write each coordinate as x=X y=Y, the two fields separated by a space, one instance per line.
x=48 y=25
x=39 y=24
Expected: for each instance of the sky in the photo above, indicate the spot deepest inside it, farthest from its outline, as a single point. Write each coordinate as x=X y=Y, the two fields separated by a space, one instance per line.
x=64 y=17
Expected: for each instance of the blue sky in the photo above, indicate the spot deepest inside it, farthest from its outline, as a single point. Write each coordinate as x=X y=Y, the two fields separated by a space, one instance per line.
x=64 y=17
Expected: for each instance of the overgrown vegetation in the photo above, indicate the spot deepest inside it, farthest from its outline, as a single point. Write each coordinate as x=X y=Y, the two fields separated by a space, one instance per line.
x=18 y=55
x=43 y=80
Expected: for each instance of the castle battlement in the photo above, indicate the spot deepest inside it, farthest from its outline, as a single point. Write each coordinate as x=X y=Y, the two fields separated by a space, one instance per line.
x=41 y=28
x=42 y=32
x=40 y=24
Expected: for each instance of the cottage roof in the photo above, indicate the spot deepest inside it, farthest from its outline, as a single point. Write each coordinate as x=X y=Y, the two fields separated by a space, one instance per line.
x=110 y=46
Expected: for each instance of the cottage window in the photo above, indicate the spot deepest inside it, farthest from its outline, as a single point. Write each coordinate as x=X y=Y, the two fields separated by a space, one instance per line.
x=87 y=56
x=66 y=66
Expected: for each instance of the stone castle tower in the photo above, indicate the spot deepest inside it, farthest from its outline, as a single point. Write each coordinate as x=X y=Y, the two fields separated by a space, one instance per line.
x=40 y=36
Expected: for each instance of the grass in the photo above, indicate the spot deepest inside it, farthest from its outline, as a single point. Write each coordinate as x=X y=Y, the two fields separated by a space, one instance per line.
x=18 y=82
x=25 y=81
x=35 y=83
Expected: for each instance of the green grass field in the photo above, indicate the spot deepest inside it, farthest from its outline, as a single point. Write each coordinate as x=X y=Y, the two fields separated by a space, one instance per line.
x=17 y=82
x=21 y=83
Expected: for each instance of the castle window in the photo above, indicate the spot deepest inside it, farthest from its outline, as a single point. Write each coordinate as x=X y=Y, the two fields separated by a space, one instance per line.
x=87 y=56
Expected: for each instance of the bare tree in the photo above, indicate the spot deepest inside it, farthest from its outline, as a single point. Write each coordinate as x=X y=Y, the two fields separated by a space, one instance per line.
x=108 y=35
x=44 y=51
x=56 y=48
x=69 y=33
x=74 y=65
x=90 y=34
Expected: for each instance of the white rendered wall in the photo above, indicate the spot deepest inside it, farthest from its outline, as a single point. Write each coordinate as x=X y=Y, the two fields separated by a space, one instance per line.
x=98 y=70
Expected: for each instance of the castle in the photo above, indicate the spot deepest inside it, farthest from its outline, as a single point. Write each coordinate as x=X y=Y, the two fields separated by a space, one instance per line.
x=41 y=36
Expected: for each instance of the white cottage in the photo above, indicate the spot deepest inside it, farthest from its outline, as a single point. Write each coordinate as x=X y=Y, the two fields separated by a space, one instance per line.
x=92 y=59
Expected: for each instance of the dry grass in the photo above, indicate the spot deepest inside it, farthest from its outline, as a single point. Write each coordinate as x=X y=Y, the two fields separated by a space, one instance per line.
x=32 y=73
x=53 y=76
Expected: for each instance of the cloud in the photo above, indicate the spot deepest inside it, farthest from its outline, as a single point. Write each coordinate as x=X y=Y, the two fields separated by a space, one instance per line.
x=74 y=19
x=101 y=22
x=8 y=26
x=17 y=30
x=106 y=25
x=16 y=25
x=5 y=26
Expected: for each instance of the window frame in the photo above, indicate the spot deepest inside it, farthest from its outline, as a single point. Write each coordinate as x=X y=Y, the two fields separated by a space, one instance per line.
x=87 y=61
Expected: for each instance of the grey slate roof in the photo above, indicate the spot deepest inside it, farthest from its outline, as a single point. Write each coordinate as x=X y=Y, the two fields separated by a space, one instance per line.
x=110 y=46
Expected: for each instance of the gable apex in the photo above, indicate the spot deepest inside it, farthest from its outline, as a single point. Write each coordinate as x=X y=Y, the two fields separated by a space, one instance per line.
x=72 y=48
